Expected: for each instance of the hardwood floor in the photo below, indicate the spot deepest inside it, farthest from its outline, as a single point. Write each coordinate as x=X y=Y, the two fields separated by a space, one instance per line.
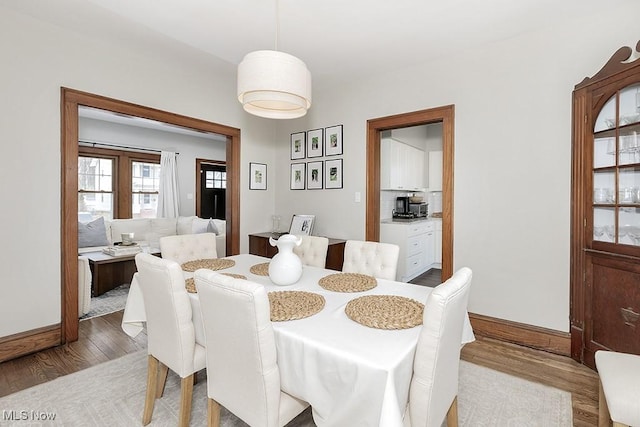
x=102 y=339
x=431 y=278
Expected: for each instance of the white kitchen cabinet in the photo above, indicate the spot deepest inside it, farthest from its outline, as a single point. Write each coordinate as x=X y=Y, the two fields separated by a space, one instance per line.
x=416 y=242
x=437 y=233
x=401 y=166
x=435 y=171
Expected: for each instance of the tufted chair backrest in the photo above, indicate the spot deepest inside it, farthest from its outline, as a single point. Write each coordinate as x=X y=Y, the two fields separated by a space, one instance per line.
x=434 y=384
x=170 y=330
x=375 y=259
x=242 y=367
x=313 y=251
x=188 y=247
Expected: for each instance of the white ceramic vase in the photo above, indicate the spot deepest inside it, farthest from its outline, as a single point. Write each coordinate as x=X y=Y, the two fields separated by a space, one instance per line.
x=285 y=267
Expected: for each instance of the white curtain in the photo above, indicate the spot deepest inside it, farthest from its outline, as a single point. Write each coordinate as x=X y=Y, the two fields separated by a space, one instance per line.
x=168 y=192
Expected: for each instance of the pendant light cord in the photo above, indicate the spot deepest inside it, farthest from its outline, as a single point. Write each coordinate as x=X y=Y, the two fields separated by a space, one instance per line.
x=277 y=22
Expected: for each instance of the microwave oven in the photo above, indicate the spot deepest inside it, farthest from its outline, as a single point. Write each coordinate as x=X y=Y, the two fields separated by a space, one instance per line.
x=418 y=209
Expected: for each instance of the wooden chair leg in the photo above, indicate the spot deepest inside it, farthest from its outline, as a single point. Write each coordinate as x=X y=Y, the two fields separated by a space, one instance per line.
x=604 y=419
x=452 y=414
x=186 y=396
x=162 y=379
x=213 y=413
x=150 y=397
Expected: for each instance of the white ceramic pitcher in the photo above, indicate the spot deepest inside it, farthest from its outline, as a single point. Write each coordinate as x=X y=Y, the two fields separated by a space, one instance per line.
x=285 y=268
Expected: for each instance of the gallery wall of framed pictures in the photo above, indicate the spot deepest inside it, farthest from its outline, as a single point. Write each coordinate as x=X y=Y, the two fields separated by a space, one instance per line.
x=317 y=174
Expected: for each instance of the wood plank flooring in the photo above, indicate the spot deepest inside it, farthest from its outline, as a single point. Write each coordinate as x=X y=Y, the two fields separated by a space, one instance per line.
x=431 y=278
x=102 y=339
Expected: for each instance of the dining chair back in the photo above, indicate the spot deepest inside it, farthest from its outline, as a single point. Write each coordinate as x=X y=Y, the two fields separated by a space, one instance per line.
x=619 y=399
x=375 y=259
x=313 y=251
x=84 y=286
x=242 y=368
x=171 y=340
x=434 y=385
x=188 y=247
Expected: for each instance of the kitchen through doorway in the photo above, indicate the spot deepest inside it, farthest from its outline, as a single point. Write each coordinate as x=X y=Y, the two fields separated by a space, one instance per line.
x=376 y=128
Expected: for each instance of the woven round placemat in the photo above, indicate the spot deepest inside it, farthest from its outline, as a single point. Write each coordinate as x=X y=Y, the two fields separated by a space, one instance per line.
x=236 y=276
x=211 y=264
x=292 y=305
x=348 y=282
x=385 y=311
x=260 y=269
x=190 y=283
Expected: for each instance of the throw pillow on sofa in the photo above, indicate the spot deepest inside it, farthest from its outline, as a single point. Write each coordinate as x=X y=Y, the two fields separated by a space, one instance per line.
x=211 y=227
x=92 y=234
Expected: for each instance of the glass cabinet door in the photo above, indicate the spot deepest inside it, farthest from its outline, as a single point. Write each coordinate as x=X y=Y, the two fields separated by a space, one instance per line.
x=616 y=169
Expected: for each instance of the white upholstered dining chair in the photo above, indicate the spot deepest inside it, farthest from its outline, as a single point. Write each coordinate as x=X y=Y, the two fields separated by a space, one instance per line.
x=188 y=247
x=84 y=286
x=433 y=394
x=242 y=368
x=375 y=259
x=313 y=251
x=619 y=399
x=171 y=342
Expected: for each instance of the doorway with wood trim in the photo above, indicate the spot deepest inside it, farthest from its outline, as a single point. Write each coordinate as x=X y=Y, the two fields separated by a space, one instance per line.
x=211 y=188
x=444 y=115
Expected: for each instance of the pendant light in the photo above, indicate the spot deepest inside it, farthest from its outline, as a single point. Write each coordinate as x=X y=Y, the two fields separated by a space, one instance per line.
x=274 y=84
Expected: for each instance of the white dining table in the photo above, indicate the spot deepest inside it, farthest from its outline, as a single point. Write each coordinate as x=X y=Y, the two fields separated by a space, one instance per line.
x=351 y=375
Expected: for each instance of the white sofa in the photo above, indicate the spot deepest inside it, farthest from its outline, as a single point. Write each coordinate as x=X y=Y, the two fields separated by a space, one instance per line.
x=148 y=231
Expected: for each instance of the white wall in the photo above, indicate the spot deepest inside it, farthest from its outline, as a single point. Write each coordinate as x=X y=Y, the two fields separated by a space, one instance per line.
x=189 y=147
x=38 y=59
x=512 y=156
x=512 y=153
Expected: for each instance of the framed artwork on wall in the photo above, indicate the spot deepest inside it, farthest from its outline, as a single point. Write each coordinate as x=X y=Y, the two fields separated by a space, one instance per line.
x=314 y=143
x=257 y=176
x=302 y=225
x=297 y=176
x=333 y=140
x=333 y=174
x=314 y=175
x=298 y=145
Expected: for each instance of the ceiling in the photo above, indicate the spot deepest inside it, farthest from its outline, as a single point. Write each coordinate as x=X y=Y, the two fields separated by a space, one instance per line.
x=123 y=119
x=338 y=39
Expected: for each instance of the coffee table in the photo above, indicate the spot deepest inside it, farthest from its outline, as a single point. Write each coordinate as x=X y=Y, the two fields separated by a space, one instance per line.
x=109 y=272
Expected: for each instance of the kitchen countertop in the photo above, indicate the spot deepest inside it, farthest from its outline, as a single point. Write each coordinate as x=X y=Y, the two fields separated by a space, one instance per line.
x=408 y=220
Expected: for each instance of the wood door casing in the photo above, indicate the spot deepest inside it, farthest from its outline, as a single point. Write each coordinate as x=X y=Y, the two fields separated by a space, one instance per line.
x=445 y=115
x=70 y=100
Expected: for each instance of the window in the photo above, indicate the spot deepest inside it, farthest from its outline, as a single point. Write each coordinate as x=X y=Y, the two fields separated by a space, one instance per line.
x=145 y=183
x=215 y=179
x=117 y=184
x=95 y=188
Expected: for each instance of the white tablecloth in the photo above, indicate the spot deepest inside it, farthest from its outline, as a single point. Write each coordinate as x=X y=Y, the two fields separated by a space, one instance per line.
x=351 y=375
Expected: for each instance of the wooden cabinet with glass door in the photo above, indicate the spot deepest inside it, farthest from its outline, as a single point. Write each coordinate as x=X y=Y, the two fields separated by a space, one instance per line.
x=605 y=244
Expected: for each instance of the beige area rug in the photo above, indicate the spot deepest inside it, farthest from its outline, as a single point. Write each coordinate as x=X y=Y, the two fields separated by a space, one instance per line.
x=112 y=394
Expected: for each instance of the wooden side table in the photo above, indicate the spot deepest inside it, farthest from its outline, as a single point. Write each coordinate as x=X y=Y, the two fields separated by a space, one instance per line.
x=259 y=245
x=109 y=272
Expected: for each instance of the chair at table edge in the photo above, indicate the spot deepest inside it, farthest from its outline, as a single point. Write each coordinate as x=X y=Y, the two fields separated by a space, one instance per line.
x=243 y=374
x=373 y=258
x=313 y=251
x=84 y=286
x=188 y=247
x=619 y=388
x=434 y=385
x=170 y=332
